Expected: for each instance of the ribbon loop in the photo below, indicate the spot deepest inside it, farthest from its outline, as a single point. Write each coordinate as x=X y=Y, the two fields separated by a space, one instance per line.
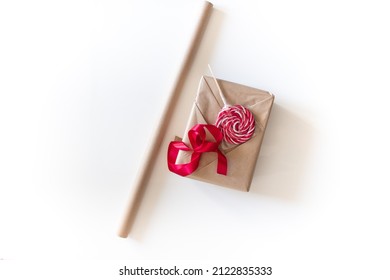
x=197 y=137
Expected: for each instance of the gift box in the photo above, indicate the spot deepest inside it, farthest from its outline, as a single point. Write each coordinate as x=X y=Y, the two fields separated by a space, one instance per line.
x=240 y=159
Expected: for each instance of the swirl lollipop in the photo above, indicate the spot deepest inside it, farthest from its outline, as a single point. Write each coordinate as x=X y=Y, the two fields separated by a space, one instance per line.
x=235 y=121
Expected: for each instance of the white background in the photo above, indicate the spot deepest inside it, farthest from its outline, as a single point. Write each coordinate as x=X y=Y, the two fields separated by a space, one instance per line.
x=82 y=84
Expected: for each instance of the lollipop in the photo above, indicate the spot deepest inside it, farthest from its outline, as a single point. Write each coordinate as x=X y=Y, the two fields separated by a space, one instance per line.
x=235 y=121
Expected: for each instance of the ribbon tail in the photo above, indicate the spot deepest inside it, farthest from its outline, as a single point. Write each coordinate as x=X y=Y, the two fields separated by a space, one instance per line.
x=222 y=163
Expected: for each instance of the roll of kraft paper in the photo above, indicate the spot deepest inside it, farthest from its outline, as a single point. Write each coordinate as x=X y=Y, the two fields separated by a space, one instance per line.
x=147 y=166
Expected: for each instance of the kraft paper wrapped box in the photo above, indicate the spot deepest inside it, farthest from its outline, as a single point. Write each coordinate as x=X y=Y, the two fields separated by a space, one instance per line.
x=242 y=158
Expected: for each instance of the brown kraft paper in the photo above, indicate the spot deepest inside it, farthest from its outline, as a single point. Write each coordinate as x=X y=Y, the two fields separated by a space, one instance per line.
x=241 y=158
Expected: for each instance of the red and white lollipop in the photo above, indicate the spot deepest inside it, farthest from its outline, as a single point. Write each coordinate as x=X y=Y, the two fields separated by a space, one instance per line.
x=236 y=122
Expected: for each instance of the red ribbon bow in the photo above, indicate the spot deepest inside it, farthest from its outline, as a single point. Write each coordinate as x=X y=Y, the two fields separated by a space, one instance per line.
x=197 y=137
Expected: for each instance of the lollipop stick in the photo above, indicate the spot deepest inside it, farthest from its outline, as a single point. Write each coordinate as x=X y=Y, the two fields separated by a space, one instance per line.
x=148 y=163
x=225 y=104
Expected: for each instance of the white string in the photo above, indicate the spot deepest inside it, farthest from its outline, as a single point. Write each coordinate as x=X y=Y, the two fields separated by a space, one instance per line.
x=225 y=104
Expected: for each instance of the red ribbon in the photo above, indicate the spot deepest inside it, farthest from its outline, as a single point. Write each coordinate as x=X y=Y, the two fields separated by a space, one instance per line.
x=197 y=137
